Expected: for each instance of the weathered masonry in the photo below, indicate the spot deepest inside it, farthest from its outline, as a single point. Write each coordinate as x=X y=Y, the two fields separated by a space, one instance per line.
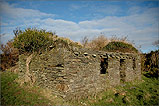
x=81 y=72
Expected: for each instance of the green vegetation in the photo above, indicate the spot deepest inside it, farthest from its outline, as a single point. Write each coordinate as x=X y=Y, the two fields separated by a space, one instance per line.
x=150 y=64
x=120 y=47
x=145 y=92
x=13 y=94
x=32 y=40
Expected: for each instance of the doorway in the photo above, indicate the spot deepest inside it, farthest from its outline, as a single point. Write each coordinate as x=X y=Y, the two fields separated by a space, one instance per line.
x=122 y=70
x=104 y=65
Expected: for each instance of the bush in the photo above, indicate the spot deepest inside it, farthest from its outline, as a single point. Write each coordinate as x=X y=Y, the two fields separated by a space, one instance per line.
x=117 y=46
x=101 y=42
x=9 y=57
x=150 y=64
x=96 y=43
x=32 y=40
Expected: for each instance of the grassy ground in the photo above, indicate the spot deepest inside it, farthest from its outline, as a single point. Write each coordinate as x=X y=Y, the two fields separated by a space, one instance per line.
x=145 y=92
x=13 y=94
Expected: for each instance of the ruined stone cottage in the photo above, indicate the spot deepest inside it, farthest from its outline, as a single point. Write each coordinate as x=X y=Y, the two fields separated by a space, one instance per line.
x=81 y=72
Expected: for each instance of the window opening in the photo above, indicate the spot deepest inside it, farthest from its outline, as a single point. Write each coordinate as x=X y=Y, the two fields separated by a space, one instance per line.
x=122 y=70
x=104 y=65
x=134 y=64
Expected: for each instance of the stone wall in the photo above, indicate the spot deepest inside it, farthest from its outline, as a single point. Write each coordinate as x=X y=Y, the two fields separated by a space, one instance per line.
x=81 y=72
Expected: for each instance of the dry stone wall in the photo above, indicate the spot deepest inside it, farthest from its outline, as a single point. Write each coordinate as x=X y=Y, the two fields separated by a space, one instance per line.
x=79 y=73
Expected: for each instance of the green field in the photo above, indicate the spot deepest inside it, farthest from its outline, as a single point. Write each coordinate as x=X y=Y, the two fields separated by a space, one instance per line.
x=144 y=92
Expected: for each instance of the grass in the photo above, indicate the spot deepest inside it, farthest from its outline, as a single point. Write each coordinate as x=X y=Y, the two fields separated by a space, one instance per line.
x=145 y=92
x=13 y=94
x=120 y=47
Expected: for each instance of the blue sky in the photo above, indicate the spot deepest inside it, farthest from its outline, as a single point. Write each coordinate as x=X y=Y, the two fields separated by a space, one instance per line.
x=139 y=20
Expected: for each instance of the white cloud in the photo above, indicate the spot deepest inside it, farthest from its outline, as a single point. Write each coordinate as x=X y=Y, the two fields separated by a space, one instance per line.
x=12 y=12
x=142 y=28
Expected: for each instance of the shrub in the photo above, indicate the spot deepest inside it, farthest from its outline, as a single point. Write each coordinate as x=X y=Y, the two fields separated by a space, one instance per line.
x=100 y=42
x=150 y=64
x=118 y=46
x=65 y=42
x=32 y=40
x=96 y=43
x=9 y=57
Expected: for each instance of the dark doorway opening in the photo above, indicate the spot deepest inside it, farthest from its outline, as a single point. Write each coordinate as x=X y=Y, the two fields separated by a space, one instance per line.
x=134 y=64
x=104 y=65
x=122 y=70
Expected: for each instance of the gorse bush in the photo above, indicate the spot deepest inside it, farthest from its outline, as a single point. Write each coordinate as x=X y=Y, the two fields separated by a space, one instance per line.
x=31 y=40
x=120 y=47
